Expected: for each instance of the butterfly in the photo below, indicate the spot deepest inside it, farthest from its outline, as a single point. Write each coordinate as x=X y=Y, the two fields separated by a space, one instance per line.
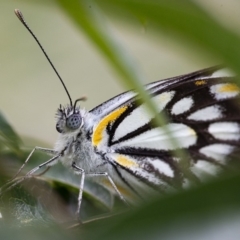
x=119 y=140
x=120 y=146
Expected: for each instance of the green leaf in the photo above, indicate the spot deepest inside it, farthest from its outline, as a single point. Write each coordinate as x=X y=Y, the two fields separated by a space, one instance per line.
x=60 y=183
x=8 y=136
x=176 y=216
x=186 y=22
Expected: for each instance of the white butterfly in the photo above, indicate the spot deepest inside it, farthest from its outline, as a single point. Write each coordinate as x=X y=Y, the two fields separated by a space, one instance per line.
x=118 y=139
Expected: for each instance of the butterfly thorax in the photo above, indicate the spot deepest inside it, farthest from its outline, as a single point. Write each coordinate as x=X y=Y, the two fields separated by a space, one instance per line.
x=74 y=141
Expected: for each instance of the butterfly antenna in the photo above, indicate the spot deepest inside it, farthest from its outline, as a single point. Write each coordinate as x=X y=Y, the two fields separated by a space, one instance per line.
x=21 y=18
x=84 y=98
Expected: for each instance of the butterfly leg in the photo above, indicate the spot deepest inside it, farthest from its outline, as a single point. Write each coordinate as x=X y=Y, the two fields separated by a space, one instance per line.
x=17 y=181
x=105 y=174
x=82 y=172
x=46 y=150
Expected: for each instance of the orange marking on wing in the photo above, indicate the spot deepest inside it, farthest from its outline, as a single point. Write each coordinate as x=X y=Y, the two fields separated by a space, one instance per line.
x=200 y=82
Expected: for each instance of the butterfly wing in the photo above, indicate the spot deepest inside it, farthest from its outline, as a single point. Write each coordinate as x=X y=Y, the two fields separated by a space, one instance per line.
x=204 y=119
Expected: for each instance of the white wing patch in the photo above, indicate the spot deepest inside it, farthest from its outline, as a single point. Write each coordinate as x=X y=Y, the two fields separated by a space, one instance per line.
x=203 y=169
x=223 y=72
x=182 y=105
x=111 y=105
x=162 y=167
x=220 y=73
x=217 y=151
x=224 y=90
x=225 y=130
x=141 y=115
x=158 y=138
x=206 y=114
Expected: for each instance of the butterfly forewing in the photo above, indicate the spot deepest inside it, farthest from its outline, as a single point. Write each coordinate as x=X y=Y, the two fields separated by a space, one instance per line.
x=203 y=112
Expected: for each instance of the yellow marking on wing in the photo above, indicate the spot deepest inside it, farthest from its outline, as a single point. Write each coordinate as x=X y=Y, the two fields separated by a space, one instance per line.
x=126 y=162
x=229 y=87
x=200 y=82
x=98 y=132
x=192 y=132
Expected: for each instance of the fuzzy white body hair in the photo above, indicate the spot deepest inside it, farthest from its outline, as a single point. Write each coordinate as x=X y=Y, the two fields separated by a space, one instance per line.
x=76 y=147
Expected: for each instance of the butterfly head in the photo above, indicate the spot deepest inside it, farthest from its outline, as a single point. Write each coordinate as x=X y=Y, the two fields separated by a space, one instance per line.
x=69 y=118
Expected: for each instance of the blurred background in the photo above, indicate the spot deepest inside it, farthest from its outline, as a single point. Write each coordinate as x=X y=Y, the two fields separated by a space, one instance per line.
x=30 y=92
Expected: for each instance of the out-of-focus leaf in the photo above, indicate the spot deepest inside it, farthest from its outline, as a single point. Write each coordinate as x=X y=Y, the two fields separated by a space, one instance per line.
x=8 y=136
x=37 y=232
x=177 y=216
x=63 y=183
x=183 y=21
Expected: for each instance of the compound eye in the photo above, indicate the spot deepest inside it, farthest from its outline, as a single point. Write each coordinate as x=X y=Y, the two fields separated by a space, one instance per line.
x=74 y=121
